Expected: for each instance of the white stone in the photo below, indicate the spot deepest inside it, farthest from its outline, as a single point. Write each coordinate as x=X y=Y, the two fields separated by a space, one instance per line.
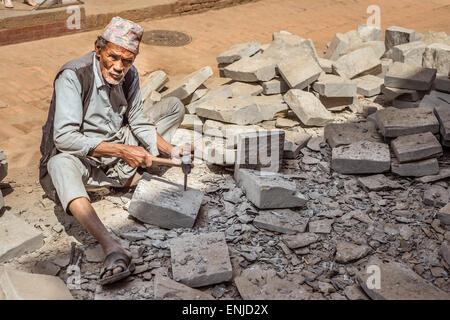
x=369 y=85
x=357 y=63
x=238 y=51
x=252 y=69
x=154 y=82
x=330 y=85
x=300 y=71
x=185 y=87
x=410 y=53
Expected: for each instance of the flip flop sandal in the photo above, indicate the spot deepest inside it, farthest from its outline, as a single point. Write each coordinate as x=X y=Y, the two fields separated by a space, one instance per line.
x=116 y=260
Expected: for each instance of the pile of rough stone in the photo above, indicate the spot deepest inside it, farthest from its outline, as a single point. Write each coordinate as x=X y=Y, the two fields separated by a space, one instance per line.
x=3 y=173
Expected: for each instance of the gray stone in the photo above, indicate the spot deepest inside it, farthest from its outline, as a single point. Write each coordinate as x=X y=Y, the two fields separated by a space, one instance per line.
x=200 y=260
x=378 y=182
x=17 y=237
x=338 y=46
x=185 y=87
x=378 y=48
x=238 y=51
x=2 y=201
x=252 y=69
x=395 y=36
x=271 y=106
x=415 y=147
x=294 y=142
x=436 y=196
x=167 y=289
x=404 y=76
x=269 y=190
x=46 y=267
x=154 y=82
x=300 y=71
x=400 y=104
x=357 y=63
x=331 y=86
x=320 y=226
x=241 y=89
x=399 y=282
x=444 y=214
x=239 y=111
x=326 y=65
x=339 y=134
x=437 y=56
x=410 y=53
x=285 y=123
x=445 y=252
x=369 y=85
x=399 y=122
x=416 y=168
x=300 y=240
x=347 y=252
x=432 y=102
x=191 y=122
x=222 y=92
x=255 y=283
x=3 y=165
x=275 y=86
x=355 y=292
x=95 y=254
x=442 y=83
x=370 y=33
x=165 y=204
x=261 y=150
x=230 y=132
x=18 y=285
x=199 y=93
x=282 y=221
x=443 y=174
x=361 y=157
x=337 y=104
x=308 y=108
x=443 y=115
x=401 y=94
x=291 y=46
x=316 y=143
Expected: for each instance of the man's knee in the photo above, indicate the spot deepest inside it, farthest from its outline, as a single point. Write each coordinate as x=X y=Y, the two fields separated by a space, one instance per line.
x=60 y=162
x=176 y=107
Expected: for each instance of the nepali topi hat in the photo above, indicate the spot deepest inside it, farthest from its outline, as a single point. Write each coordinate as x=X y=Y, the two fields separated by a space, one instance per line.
x=124 y=33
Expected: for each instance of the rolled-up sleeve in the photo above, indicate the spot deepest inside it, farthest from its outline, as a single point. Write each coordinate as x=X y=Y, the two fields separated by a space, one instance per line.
x=139 y=125
x=69 y=117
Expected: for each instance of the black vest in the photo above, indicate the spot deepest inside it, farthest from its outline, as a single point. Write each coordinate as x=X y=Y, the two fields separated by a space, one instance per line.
x=83 y=68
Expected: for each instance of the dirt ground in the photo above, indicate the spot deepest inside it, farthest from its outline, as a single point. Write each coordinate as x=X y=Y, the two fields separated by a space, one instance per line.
x=27 y=71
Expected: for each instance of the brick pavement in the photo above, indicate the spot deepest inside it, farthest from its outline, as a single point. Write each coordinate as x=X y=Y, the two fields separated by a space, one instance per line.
x=27 y=69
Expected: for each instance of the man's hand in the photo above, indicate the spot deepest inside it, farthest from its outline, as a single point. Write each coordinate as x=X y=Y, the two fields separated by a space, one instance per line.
x=179 y=151
x=136 y=156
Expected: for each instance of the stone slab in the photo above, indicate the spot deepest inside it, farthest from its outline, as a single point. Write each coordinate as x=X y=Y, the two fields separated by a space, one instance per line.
x=415 y=147
x=191 y=122
x=362 y=157
x=238 y=51
x=3 y=165
x=390 y=94
x=378 y=182
x=162 y=203
x=410 y=53
x=308 y=108
x=269 y=190
x=443 y=174
x=326 y=65
x=357 y=63
x=442 y=83
x=378 y=47
x=275 y=86
x=251 y=69
x=347 y=252
x=155 y=81
x=416 y=168
x=444 y=214
x=333 y=86
x=261 y=150
x=399 y=122
x=168 y=289
x=271 y=107
x=437 y=56
x=320 y=226
x=241 y=111
x=338 y=46
x=293 y=143
x=436 y=196
x=17 y=237
x=200 y=260
x=222 y=92
x=399 y=282
x=259 y=283
x=404 y=76
x=299 y=71
x=230 y=132
x=340 y=134
x=337 y=104
x=242 y=89
x=185 y=87
x=443 y=116
x=370 y=33
x=300 y=240
x=400 y=104
x=18 y=285
x=395 y=36
x=369 y=85
x=283 y=221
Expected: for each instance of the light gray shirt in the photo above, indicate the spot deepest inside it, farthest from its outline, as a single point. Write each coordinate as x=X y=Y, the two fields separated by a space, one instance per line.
x=103 y=121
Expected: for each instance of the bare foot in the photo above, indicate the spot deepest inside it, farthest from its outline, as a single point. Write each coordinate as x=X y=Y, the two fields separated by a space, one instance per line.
x=31 y=3
x=8 y=4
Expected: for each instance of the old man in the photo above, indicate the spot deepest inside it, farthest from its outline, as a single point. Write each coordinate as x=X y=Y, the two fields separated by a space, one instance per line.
x=97 y=135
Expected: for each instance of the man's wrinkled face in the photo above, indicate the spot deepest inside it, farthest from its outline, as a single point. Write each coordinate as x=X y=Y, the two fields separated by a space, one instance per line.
x=115 y=62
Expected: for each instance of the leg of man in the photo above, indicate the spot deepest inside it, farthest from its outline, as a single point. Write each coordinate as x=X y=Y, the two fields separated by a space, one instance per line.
x=69 y=175
x=167 y=115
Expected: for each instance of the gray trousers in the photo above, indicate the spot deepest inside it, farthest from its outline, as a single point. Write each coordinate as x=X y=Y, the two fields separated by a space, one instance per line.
x=70 y=174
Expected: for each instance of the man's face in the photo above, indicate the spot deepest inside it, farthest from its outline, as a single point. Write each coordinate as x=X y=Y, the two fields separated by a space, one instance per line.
x=115 y=62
